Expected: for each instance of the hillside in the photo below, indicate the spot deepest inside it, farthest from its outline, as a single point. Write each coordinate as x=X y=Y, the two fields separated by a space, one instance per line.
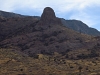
x=80 y=27
x=48 y=34
x=9 y=14
x=13 y=62
x=32 y=46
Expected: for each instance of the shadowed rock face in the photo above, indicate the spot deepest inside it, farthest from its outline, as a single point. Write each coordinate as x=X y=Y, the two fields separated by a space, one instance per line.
x=48 y=19
x=48 y=14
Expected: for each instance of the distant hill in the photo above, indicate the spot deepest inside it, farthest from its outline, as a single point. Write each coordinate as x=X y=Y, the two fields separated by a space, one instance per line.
x=9 y=14
x=80 y=27
x=14 y=15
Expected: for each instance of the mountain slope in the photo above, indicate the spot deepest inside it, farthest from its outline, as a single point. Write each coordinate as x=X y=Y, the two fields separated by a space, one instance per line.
x=12 y=26
x=80 y=27
x=31 y=46
x=46 y=35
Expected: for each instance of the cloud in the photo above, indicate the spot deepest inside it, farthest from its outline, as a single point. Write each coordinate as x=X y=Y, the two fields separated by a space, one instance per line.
x=63 y=5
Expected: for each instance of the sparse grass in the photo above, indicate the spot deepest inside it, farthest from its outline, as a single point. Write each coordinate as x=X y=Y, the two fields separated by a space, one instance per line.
x=16 y=63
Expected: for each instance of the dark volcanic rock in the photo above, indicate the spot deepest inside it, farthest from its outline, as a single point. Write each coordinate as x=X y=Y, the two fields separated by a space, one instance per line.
x=48 y=15
x=48 y=18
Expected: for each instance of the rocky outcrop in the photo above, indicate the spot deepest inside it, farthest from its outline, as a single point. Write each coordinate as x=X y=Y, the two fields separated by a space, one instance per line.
x=48 y=18
x=48 y=15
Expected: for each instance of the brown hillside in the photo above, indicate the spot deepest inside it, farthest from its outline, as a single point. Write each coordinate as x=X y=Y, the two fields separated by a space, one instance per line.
x=29 y=46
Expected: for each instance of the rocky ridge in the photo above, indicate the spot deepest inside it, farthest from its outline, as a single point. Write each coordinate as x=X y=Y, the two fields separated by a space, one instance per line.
x=72 y=24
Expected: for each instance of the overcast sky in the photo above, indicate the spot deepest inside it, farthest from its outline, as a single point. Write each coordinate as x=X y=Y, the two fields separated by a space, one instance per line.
x=88 y=11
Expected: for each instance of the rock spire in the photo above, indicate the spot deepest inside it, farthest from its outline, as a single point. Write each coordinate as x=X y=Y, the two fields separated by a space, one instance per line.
x=48 y=18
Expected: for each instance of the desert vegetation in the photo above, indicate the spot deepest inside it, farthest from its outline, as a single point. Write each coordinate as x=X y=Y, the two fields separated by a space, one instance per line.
x=16 y=63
